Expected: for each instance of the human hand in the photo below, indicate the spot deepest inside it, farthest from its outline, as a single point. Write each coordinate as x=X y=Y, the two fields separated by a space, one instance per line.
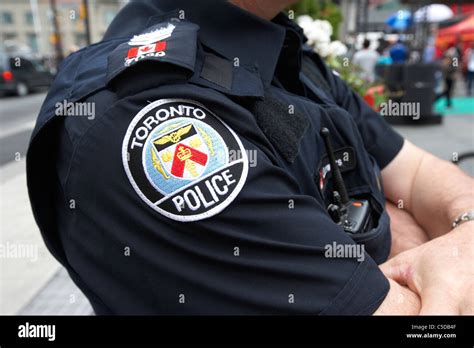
x=440 y=271
x=406 y=232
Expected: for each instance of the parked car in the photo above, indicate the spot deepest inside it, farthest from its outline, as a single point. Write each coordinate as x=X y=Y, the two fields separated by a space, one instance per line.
x=20 y=75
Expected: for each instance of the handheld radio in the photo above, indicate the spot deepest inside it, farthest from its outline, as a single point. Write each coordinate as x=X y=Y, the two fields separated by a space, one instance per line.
x=352 y=214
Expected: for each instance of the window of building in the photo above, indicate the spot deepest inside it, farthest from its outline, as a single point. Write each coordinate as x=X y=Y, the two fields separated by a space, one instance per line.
x=32 y=41
x=29 y=18
x=6 y=17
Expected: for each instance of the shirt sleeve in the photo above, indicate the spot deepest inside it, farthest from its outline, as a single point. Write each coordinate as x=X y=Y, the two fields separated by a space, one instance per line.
x=380 y=139
x=284 y=264
x=273 y=250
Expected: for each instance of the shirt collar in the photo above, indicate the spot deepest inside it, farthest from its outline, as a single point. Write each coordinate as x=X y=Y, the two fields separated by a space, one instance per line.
x=225 y=28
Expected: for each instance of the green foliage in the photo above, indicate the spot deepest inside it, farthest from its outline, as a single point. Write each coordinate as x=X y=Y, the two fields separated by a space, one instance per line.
x=350 y=74
x=306 y=7
x=320 y=9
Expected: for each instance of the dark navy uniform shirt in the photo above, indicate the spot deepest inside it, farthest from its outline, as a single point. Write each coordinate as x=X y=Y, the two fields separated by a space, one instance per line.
x=177 y=168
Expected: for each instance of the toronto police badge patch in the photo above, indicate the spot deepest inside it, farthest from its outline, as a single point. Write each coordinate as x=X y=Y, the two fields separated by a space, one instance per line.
x=180 y=159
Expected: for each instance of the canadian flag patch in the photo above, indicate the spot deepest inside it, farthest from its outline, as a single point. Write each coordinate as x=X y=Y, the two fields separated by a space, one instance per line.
x=171 y=43
x=146 y=49
x=135 y=54
x=150 y=44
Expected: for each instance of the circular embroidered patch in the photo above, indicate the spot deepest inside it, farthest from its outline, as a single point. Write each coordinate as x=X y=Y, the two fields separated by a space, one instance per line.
x=183 y=160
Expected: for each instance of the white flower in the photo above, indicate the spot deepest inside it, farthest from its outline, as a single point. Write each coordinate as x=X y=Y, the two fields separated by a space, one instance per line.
x=337 y=48
x=319 y=34
x=317 y=31
x=304 y=20
x=327 y=27
x=323 y=49
x=316 y=35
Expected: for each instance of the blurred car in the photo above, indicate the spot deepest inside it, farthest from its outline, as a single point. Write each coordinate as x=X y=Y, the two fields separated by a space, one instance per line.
x=20 y=75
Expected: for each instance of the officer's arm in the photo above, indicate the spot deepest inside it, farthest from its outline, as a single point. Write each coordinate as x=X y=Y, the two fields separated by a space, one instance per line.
x=434 y=191
x=273 y=249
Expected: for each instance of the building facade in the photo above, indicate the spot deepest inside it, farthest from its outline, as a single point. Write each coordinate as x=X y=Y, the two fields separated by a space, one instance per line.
x=28 y=24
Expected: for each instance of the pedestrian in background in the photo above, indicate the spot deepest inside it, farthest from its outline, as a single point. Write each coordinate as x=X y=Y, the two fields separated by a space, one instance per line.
x=366 y=59
x=399 y=52
x=449 y=71
x=468 y=69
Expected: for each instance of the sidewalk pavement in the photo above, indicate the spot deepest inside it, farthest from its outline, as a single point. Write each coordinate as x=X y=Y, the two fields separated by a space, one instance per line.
x=59 y=296
x=25 y=262
x=31 y=280
x=454 y=136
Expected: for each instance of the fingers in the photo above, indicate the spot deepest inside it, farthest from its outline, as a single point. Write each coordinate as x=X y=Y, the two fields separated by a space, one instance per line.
x=408 y=256
x=401 y=273
x=401 y=268
x=436 y=301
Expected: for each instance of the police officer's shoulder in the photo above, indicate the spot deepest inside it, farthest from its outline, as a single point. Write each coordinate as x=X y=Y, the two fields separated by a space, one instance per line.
x=173 y=90
x=161 y=54
x=173 y=93
x=171 y=53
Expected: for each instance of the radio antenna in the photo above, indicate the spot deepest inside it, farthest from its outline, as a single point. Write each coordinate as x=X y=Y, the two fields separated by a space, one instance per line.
x=336 y=172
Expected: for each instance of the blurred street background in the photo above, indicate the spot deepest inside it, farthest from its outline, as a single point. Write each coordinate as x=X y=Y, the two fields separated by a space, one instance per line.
x=40 y=33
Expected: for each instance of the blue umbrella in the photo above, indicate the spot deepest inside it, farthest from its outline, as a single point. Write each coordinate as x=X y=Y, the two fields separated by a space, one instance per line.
x=400 y=20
